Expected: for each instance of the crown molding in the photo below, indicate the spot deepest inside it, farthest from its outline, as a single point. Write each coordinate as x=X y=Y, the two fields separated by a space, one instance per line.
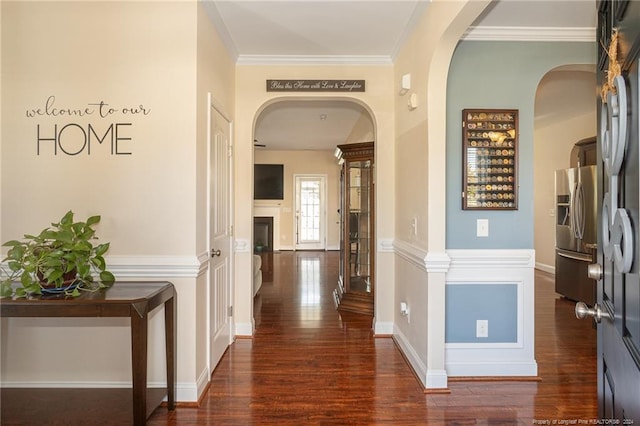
x=483 y=33
x=314 y=60
x=580 y=34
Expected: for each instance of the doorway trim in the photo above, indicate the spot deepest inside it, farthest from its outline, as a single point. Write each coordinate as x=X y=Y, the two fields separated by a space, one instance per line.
x=245 y=322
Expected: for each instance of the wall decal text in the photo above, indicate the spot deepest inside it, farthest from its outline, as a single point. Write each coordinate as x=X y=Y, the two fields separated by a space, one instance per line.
x=78 y=137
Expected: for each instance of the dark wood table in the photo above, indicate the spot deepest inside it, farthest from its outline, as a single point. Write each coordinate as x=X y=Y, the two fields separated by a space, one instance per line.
x=124 y=299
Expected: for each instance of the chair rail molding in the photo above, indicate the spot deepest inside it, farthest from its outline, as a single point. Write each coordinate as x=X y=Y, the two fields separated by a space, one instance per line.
x=428 y=261
x=158 y=266
x=241 y=245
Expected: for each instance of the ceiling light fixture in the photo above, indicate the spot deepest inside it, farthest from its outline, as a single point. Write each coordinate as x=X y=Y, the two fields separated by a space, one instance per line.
x=323 y=116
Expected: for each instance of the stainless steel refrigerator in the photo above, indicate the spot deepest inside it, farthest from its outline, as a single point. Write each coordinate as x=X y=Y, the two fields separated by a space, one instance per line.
x=576 y=205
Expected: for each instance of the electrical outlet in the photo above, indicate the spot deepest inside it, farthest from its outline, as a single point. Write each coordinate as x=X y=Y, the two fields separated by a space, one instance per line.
x=404 y=311
x=482 y=228
x=482 y=328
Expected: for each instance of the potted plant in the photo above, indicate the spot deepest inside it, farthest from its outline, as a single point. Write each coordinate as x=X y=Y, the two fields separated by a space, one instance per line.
x=61 y=258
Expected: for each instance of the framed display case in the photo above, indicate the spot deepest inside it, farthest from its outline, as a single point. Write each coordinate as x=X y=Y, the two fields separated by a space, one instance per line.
x=490 y=159
x=356 y=283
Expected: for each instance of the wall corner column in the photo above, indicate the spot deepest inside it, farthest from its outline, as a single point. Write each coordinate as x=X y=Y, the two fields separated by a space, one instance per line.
x=436 y=264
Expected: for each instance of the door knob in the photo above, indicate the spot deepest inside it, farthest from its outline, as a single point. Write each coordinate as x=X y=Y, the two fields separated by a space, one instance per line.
x=594 y=271
x=215 y=252
x=583 y=311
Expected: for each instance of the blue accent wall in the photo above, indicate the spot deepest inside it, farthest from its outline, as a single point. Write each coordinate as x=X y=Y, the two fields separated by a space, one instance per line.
x=467 y=303
x=499 y=75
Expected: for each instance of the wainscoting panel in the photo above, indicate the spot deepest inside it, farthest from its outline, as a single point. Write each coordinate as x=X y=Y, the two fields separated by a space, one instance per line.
x=496 y=286
x=497 y=303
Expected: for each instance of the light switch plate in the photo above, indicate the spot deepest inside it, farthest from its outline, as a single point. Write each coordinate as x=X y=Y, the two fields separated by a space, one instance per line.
x=482 y=228
x=482 y=328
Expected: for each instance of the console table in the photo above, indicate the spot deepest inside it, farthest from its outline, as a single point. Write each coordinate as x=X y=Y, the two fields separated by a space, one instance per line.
x=124 y=299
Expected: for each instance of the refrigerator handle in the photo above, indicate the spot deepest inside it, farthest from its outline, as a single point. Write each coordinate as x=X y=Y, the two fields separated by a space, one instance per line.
x=580 y=213
x=573 y=207
x=575 y=256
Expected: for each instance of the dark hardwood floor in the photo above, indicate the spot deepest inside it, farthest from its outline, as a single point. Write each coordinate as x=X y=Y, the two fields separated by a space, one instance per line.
x=309 y=364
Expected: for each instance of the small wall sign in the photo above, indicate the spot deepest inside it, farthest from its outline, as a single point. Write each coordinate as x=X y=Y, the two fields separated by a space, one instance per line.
x=315 y=85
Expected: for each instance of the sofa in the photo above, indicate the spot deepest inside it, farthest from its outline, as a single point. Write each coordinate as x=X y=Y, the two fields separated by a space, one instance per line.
x=257 y=273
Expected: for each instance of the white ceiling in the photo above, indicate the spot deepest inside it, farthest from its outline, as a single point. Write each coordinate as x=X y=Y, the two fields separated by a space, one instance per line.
x=362 y=32
x=269 y=30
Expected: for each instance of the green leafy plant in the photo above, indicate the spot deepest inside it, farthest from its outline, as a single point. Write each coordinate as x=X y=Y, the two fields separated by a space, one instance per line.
x=60 y=255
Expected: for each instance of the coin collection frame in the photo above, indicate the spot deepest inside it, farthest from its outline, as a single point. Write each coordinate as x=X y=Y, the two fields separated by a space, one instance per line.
x=490 y=159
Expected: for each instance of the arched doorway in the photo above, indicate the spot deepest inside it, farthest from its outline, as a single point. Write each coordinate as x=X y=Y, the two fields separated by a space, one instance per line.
x=564 y=113
x=297 y=138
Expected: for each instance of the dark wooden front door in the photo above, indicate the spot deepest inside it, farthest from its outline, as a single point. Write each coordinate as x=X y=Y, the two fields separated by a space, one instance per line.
x=618 y=289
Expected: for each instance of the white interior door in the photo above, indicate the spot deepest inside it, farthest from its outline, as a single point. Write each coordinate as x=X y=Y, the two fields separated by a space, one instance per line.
x=220 y=234
x=311 y=217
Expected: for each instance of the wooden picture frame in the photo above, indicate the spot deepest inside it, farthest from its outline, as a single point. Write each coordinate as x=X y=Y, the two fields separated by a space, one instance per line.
x=490 y=159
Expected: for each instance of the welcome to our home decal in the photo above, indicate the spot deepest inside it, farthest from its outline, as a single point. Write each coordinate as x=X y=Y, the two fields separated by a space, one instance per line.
x=84 y=129
x=315 y=85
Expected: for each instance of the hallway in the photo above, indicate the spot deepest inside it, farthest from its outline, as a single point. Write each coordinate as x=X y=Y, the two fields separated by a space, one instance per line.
x=308 y=364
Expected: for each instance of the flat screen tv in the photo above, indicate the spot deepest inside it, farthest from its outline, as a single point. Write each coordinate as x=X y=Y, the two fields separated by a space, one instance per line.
x=268 y=182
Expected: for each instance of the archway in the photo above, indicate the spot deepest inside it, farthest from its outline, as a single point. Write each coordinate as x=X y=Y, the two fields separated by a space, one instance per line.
x=298 y=137
x=565 y=113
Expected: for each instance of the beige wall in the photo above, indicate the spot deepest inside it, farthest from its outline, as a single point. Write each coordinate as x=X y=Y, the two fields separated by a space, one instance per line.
x=149 y=193
x=419 y=184
x=251 y=99
x=215 y=76
x=53 y=49
x=565 y=113
x=363 y=130
x=304 y=162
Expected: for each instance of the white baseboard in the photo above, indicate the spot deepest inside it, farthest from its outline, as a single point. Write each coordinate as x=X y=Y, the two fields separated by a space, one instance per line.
x=201 y=384
x=187 y=392
x=411 y=355
x=492 y=369
x=437 y=379
x=382 y=328
x=546 y=268
x=244 y=329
